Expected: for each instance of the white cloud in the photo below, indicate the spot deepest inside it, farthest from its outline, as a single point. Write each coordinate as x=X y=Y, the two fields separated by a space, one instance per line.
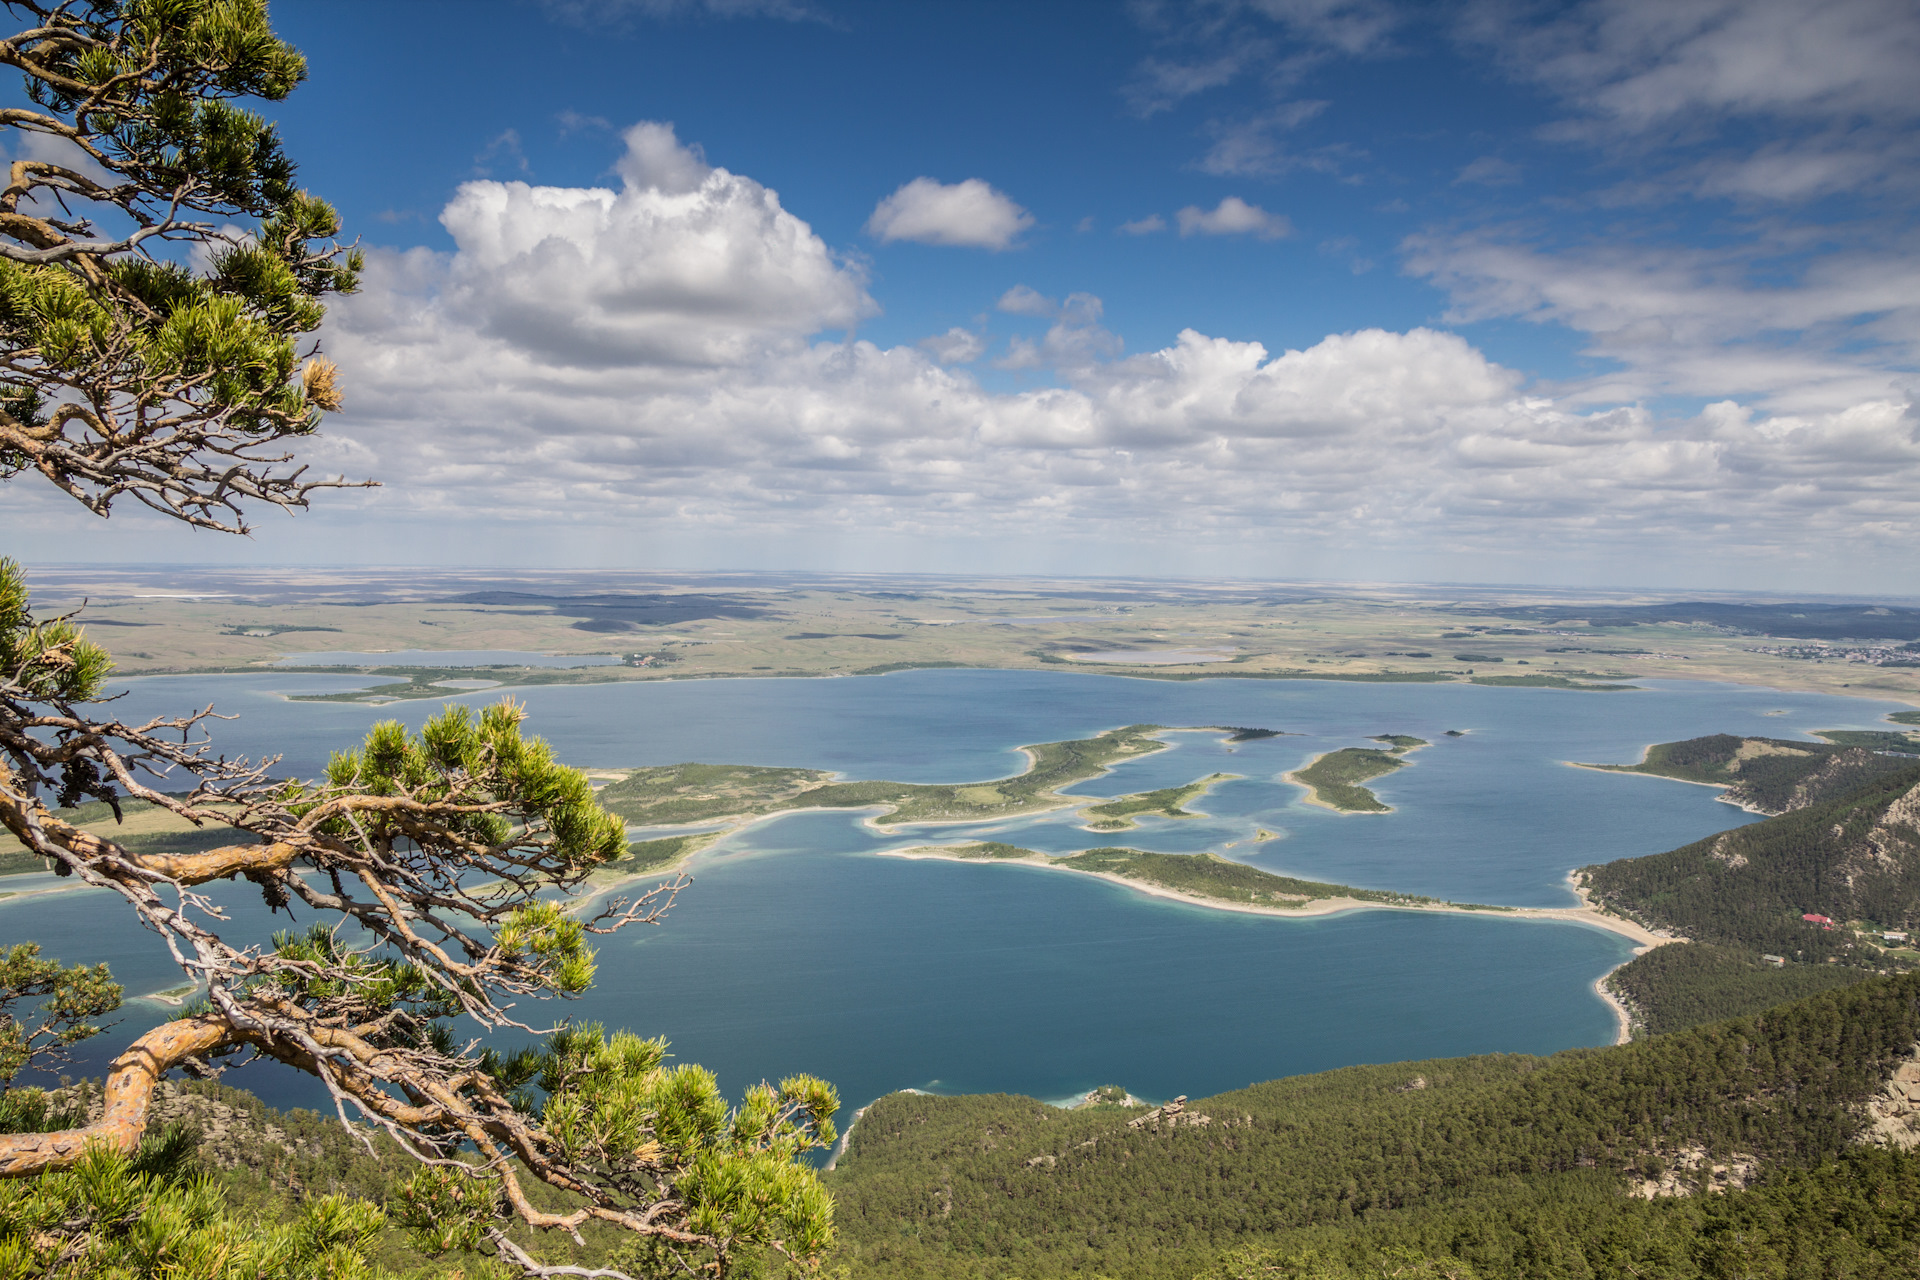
x=1144 y=226
x=599 y=368
x=1643 y=63
x=1250 y=147
x=1022 y=300
x=1703 y=322
x=1233 y=217
x=685 y=264
x=969 y=213
x=955 y=346
x=1076 y=339
x=1160 y=84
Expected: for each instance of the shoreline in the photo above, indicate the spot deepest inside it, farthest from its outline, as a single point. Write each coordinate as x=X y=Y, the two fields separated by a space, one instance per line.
x=1631 y=772
x=1319 y=908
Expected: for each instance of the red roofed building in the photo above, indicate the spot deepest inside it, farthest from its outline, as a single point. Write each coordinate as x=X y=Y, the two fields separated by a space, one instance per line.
x=1822 y=921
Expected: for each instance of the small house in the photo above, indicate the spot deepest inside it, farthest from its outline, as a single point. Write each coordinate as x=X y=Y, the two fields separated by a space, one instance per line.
x=1776 y=961
x=1811 y=918
x=1897 y=939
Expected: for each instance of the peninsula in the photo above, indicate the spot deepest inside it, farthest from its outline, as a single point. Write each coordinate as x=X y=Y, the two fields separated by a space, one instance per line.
x=1772 y=776
x=1209 y=880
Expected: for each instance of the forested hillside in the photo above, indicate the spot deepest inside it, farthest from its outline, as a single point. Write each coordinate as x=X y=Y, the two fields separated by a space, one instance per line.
x=1515 y=1165
x=1773 y=775
x=1856 y=858
x=1672 y=988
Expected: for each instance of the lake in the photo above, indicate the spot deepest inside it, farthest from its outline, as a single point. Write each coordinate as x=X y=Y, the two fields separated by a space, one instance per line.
x=797 y=950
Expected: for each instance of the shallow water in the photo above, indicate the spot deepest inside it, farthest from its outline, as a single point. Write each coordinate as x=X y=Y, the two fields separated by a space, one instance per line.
x=797 y=950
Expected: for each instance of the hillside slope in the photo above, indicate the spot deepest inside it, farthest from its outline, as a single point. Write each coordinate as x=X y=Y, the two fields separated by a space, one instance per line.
x=1856 y=858
x=1772 y=775
x=994 y=1186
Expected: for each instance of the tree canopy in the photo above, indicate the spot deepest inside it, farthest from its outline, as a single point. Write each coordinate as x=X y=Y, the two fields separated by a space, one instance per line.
x=150 y=349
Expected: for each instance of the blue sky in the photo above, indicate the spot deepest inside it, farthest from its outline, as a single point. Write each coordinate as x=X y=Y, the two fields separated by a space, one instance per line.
x=1609 y=293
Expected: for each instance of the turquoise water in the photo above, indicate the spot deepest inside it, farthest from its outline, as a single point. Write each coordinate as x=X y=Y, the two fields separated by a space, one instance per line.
x=796 y=950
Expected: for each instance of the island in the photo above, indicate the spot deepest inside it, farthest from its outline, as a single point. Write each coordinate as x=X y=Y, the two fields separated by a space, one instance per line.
x=683 y=794
x=1169 y=802
x=1333 y=779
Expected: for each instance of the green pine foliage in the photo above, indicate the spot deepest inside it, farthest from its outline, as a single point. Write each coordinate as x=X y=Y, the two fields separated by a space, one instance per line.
x=156 y=1216
x=1750 y=886
x=1516 y=1165
x=1335 y=778
x=1672 y=988
x=1768 y=775
x=45 y=1007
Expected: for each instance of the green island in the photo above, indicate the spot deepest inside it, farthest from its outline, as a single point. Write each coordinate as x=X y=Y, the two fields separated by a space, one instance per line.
x=1206 y=876
x=690 y=793
x=1240 y=733
x=1767 y=775
x=1168 y=802
x=1904 y=717
x=1547 y=682
x=1333 y=779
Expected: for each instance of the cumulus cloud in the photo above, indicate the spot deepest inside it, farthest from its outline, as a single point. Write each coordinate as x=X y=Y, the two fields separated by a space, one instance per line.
x=1144 y=226
x=685 y=263
x=1233 y=217
x=1075 y=341
x=970 y=213
x=617 y=365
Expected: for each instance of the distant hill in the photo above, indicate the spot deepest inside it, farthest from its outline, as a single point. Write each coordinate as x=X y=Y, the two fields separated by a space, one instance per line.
x=1774 y=775
x=1801 y=621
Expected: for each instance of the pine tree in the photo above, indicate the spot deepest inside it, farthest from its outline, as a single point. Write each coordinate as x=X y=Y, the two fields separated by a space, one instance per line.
x=149 y=351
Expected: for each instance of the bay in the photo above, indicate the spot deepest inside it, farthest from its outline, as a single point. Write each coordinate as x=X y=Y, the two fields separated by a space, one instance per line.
x=797 y=950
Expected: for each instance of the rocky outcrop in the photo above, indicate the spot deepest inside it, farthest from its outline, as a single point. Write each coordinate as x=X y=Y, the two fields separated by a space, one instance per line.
x=1170 y=1117
x=1893 y=1114
x=1686 y=1170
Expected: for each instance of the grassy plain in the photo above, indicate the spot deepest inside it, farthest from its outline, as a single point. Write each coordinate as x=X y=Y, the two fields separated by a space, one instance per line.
x=685 y=625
